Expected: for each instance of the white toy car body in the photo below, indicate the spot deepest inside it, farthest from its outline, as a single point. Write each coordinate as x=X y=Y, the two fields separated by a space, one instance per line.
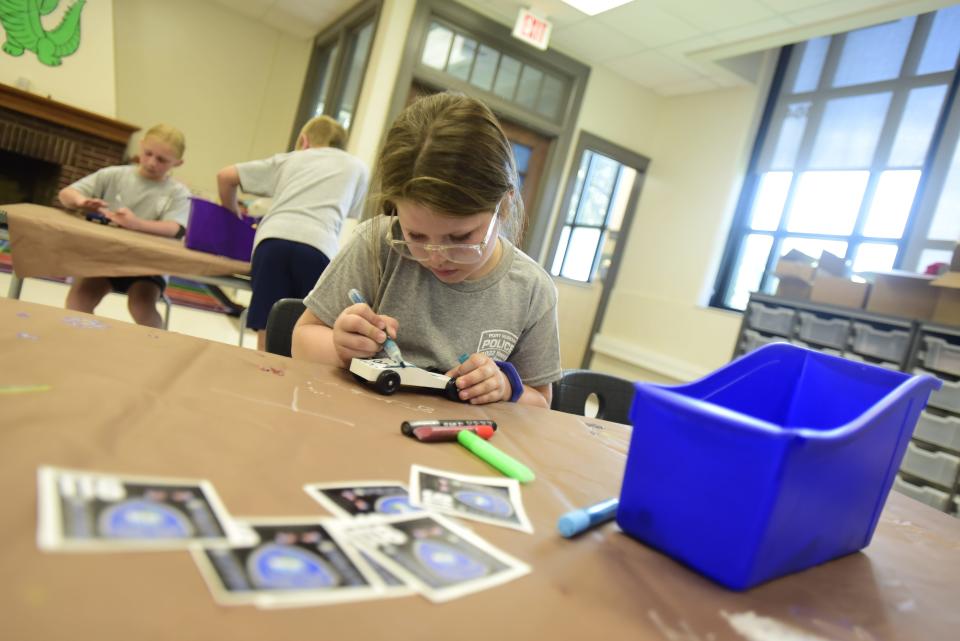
x=387 y=376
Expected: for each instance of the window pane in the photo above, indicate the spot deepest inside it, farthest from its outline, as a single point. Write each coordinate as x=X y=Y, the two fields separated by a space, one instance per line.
x=437 y=46
x=550 y=97
x=359 y=48
x=580 y=253
x=874 y=53
x=485 y=68
x=769 y=199
x=827 y=202
x=813 y=247
x=791 y=132
x=930 y=256
x=561 y=250
x=943 y=45
x=919 y=118
x=874 y=257
x=849 y=131
x=750 y=266
x=811 y=64
x=507 y=76
x=600 y=183
x=529 y=87
x=891 y=204
x=326 y=72
x=628 y=175
x=578 y=188
x=461 y=57
x=522 y=155
x=946 y=218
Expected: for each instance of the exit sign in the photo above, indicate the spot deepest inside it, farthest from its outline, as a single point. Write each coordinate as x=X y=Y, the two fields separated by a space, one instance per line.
x=532 y=29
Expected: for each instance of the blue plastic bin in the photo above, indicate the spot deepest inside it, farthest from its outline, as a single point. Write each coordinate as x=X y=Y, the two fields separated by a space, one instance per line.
x=776 y=462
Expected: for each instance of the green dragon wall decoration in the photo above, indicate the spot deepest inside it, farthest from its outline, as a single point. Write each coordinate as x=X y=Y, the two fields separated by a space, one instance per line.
x=25 y=32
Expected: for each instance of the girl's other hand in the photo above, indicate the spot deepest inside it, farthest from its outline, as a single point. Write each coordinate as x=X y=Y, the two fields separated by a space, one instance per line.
x=480 y=380
x=359 y=333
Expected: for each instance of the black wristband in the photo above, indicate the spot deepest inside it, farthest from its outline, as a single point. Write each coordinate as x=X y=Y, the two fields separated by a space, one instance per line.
x=516 y=385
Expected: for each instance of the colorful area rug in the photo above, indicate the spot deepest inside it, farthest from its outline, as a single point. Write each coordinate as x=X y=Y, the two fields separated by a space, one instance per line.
x=180 y=291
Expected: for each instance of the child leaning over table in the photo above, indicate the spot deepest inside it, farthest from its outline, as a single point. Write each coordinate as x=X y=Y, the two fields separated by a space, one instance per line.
x=141 y=197
x=437 y=266
x=313 y=189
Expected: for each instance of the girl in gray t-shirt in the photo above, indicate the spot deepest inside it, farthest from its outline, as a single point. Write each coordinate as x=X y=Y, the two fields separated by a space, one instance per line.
x=436 y=263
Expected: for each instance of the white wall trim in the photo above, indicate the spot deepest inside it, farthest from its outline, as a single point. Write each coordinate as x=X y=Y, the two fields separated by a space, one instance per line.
x=654 y=361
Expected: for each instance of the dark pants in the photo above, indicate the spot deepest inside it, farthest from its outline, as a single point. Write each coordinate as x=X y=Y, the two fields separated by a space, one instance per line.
x=281 y=269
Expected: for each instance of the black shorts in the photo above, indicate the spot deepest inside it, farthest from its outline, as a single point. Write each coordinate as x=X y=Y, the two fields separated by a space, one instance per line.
x=281 y=269
x=121 y=284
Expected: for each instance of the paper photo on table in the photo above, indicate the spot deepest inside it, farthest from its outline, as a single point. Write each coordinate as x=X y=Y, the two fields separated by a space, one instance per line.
x=487 y=499
x=298 y=562
x=95 y=511
x=434 y=555
x=352 y=499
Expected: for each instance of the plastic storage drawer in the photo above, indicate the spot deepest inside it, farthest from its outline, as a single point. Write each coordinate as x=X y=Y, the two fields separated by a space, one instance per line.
x=939 y=430
x=956 y=506
x=828 y=332
x=887 y=345
x=948 y=398
x=774 y=320
x=938 y=468
x=752 y=340
x=942 y=356
x=791 y=452
x=929 y=495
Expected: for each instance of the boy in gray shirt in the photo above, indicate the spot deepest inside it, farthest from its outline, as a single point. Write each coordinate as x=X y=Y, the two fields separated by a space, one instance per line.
x=141 y=197
x=313 y=189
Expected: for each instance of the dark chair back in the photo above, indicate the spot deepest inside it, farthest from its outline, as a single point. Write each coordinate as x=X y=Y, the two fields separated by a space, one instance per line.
x=283 y=316
x=614 y=394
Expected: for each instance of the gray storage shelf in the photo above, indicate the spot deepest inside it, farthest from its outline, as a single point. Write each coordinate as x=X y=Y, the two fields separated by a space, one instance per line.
x=931 y=465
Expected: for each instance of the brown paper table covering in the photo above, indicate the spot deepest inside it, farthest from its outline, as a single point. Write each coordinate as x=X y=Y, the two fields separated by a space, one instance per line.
x=130 y=399
x=52 y=243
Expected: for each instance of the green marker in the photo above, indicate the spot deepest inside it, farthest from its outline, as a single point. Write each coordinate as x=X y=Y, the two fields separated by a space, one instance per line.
x=508 y=465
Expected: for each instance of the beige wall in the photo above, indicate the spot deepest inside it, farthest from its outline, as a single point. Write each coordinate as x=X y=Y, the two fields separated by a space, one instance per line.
x=701 y=149
x=84 y=79
x=229 y=82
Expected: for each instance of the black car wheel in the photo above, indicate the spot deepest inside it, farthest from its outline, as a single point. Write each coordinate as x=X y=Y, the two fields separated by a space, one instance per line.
x=451 y=391
x=387 y=383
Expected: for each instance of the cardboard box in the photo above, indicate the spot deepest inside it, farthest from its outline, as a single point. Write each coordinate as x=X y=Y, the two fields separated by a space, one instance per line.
x=905 y=294
x=820 y=281
x=833 y=290
x=947 y=309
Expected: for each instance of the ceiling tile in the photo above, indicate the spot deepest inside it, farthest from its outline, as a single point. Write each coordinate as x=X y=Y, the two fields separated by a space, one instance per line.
x=251 y=8
x=754 y=29
x=648 y=24
x=710 y=16
x=652 y=68
x=580 y=41
x=786 y=6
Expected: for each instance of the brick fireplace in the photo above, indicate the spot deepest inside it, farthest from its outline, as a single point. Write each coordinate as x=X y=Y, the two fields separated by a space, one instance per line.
x=46 y=145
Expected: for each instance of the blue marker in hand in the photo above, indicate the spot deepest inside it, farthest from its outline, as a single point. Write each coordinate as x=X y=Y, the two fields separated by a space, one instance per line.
x=389 y=345
x=577 y=521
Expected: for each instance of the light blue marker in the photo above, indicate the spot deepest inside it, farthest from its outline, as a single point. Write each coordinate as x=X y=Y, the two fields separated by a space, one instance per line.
x=389 y=346
x=577 y=521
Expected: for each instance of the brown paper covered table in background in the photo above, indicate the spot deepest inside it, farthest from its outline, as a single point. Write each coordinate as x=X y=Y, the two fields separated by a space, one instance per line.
x=129 y=399
x=50 y=242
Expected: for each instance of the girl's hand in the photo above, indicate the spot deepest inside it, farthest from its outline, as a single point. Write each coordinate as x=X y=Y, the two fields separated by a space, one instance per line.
x=124 y=218
x=359 y=333
x=92 y=204
x=480 y=380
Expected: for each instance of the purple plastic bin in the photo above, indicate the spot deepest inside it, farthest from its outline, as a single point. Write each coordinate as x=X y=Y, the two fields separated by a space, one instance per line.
x=217 y=230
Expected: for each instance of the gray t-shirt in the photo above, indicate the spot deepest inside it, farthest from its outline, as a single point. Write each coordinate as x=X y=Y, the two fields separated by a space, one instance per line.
x=313 y=190
x=123 y=186
x=510 y=314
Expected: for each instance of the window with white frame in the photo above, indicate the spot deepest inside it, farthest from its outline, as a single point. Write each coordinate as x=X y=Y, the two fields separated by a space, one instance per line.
x=857 y=154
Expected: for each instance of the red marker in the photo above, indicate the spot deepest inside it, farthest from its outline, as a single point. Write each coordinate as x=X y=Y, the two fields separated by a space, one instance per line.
x=432 y=431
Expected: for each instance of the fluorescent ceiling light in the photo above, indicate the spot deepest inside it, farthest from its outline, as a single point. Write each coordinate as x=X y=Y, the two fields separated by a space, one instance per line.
x=593 y=7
